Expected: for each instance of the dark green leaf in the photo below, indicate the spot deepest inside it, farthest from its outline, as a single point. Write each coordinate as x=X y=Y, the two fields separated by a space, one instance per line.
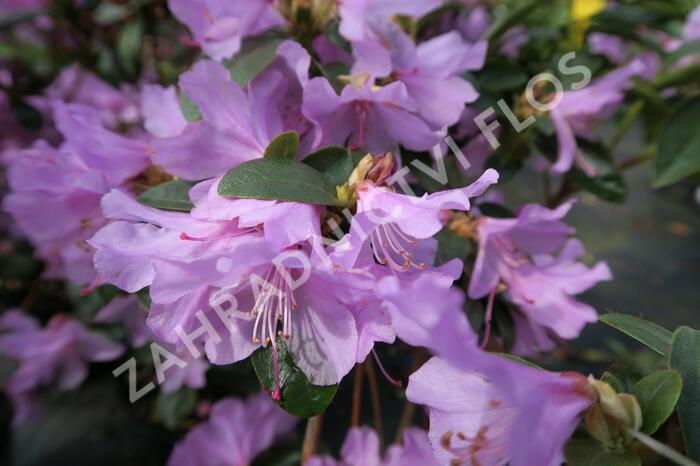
x=129 y=43
x=679 y=146
x=284 y=146
x=10 y=20
x=502 y=77
x=690 y=48
x=516 y=16
x=276 y=179
x=189 y=109
x=451 y=246
x=173 y=408
x=657 y=395
x=610 y=187
x=648 y=333
x=299 y=396
x=255 y=55
x=491 y=209
x=143 y=296
x=335 y=162
x=685 y=357
x=678 y=77
x=110 y=13
x=583 y=452
x=608 y=184
x=171 y=195
x=519 y=360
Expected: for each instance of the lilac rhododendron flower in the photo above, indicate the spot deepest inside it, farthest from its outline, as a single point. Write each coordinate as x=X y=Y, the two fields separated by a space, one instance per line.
x=236 y=432
x=368 y=26
x=375 y=118
x=361 y=448
x=533 y=259
x=501 y=413
x=56 y=193
x=399 y=227
x=581 y=109
x=57 y=354
x=127 y=311
x=237 y=125
x=219 y=27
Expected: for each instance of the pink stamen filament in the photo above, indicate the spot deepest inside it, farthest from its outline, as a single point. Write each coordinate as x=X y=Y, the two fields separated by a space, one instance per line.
x=91 y=287
x=386 y=375
x=489 y=318
x=277 y=394
x=274 y=303
x=390 y=245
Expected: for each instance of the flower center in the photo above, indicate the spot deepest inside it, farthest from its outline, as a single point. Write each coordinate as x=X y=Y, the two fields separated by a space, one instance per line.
x=273 y=306
x=391 y=247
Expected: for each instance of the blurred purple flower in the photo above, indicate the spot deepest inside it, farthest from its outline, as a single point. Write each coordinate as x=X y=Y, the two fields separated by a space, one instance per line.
x=361 y=448
x=368 y=26
x=236 y=125
x=57 y=354
x=498 y=411
x=218 y=26
x=237 y=431
x=532 y=257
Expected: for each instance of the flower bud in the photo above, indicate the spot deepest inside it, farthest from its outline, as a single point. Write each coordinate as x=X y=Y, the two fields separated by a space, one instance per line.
x=610 y=417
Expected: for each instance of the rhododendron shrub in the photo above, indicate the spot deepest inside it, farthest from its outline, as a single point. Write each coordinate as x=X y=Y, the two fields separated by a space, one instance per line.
x=343 y=232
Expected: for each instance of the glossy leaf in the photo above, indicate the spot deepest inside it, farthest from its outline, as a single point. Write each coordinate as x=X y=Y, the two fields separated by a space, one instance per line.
x=299 y=396
x=648 y=333
x=284 y=146
x=255 y=54
x=334 y=162
x=189 y=109
x=171 y=195
x=129 y=44
x=451 y=246
x=685 y=357
x=657 y=395
x=678 y=154
x=173 y=408
x=583 y=452
x=610 y=187
x=278 y=179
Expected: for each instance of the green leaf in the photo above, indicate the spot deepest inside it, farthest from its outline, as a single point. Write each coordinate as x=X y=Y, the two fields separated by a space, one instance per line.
x=299 y=396
x=109 y=13
x=285 y=146
x=690 y=48
x=143 y=296
x=491 y=209
x=171 y=195
x=451 y=246
x=278 y=179
x=173 y=408
x=608 y=184
x=189 y=109
x=685 y=357
x=657 y=395
x=678 y=154
x=584 y=452
x=11 y=20
x=129 y=43
x=650 y=334
x=335 y=162
x=610 y=187
x=502 y=76
x=255 y=55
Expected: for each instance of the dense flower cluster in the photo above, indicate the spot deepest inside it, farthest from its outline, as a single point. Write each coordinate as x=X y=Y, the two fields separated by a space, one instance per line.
x=322 y=280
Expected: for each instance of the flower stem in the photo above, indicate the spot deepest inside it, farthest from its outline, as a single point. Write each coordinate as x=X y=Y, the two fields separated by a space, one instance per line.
x=374 y=396
x=311 y=437
x=357 y=396
x=662 y=449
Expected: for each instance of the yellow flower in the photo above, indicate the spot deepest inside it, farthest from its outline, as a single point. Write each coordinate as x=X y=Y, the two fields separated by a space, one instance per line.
x=583 y=10
x=581 y=13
